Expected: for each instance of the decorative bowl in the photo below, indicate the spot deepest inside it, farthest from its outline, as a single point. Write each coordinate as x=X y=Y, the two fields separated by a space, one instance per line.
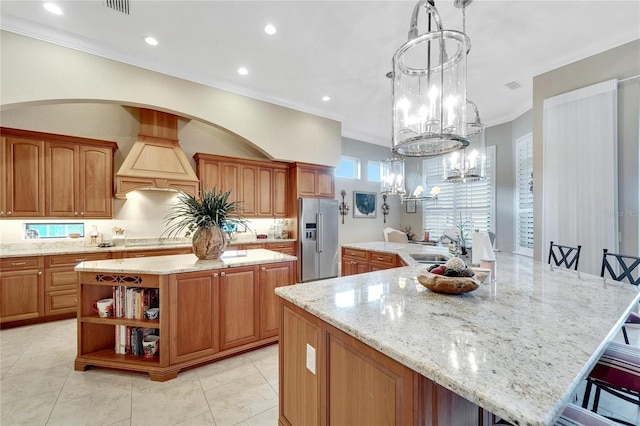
x=74 y=235
x=448 y=285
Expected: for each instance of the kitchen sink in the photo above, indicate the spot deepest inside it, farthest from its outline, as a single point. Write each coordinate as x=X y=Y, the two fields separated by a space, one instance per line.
x=438 y=259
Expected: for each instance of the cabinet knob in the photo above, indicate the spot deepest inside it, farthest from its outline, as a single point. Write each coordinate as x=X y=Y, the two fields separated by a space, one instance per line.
x=81 y=213
x=264 y=269
x=39 y=272
x=75 y=213
x=223 y=274
x=215 y=275
x=9 y=213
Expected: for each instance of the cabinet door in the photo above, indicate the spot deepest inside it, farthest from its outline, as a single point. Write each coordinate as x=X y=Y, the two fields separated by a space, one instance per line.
x=193 y=316
x=248 y=193
x=3 y=175
x=279 y=192
x=95 y=189
x=325 y=183
x=354 y=266
x=209 y=174
x=264 y=190
x=238 y=307
x=21 y=295
x=272 y=276
x=229 y=180
x=306 y=182
x=25 y=178
x=61 y=171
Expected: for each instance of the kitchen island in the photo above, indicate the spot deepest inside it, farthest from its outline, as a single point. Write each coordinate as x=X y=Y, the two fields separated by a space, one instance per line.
x=208 y=309
x=382 y=346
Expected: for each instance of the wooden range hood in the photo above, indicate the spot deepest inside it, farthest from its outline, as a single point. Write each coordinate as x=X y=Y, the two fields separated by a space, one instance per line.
x=156 y=160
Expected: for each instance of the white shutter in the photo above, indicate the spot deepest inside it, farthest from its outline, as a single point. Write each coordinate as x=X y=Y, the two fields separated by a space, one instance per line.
x=524 y=195
x=472 y=202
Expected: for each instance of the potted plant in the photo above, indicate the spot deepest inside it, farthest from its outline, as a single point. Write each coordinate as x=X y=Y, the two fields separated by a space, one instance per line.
x=204 y=217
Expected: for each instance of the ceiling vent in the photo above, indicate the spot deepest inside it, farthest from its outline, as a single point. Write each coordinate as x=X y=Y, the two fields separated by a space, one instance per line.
x=121 y=6
x=514 y=85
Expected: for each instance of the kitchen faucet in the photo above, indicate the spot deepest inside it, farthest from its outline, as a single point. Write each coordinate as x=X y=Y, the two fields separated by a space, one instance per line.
x=456 y=243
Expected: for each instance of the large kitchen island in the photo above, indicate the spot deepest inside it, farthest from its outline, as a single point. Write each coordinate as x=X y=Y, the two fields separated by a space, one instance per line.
x=379 y=348
x=208 y=309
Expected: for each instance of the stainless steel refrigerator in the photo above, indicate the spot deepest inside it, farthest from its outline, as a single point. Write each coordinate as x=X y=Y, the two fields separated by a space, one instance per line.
x=317 y=239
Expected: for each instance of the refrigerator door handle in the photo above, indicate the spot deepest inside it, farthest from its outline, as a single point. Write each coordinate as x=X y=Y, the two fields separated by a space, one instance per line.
x=320 y=234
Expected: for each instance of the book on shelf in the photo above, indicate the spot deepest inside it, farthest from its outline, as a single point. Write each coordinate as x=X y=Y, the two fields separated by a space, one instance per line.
x=133 y=302
x=129 y=339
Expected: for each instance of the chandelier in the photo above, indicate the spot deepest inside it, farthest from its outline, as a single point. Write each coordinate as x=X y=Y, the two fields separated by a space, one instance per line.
x=429 y=87
x=419 y=187
x=468 y=164
x=392 y=176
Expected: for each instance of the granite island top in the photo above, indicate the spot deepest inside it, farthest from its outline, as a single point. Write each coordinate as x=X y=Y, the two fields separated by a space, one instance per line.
x=180 y=263
x=517 y=347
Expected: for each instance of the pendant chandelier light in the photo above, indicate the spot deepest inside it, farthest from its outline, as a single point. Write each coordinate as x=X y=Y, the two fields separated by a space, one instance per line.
x=392 y=176
x=468 y=164
x=429 y=87
x=420 y=190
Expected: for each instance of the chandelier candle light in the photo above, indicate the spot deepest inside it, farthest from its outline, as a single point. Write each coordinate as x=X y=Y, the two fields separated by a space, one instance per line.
x=468 y=164
x=429 y=88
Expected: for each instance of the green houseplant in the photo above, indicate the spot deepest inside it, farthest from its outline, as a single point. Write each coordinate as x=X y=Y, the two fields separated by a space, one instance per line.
x=204 y=217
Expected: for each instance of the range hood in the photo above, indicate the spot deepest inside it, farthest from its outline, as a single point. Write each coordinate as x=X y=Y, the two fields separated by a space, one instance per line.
x=156 y=160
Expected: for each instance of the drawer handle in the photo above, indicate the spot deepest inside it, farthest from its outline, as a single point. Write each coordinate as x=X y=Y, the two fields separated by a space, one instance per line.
x=380 y=258
x=79 y=260
x=18 y=263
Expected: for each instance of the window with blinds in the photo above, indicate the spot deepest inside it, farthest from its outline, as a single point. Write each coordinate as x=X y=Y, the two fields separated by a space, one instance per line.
x=470 y=203
x=524 y=195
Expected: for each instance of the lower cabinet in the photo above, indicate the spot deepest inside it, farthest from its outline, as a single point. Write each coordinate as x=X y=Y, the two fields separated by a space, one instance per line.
x=356 y=261
x=328 y=377
x=204 y=316
x=21 y=288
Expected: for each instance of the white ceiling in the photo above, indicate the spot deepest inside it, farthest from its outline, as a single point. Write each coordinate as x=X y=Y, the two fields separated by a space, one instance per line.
x=341 y=49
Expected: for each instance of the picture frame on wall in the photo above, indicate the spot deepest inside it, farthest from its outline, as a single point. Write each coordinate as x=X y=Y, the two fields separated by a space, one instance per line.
x=364 y=204
x=411 y=206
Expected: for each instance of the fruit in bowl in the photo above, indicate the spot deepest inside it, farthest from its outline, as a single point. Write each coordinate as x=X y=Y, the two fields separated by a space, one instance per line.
x=451 y=278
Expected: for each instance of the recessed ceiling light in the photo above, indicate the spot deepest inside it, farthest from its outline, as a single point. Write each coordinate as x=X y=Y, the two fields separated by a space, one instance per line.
x=53 y=8
x=326 y=98
x=151 y=41
x=270 y=29
x=243 y=71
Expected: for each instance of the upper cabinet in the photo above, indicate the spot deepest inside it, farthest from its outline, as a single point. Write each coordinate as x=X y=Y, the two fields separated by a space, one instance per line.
x=56 y=176
x=23 y=177
x=315 y=181
x=260 y=186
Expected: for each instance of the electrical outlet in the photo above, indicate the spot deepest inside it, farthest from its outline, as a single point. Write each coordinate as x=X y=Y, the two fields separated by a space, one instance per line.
x=311 y=358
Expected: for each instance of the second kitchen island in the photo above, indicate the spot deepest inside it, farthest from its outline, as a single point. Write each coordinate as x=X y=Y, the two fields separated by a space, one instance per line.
x=209 y=309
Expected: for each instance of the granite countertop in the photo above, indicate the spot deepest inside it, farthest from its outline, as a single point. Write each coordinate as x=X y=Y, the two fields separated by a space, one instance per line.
x=517 y=347
x=179 y=263
x=71 y=246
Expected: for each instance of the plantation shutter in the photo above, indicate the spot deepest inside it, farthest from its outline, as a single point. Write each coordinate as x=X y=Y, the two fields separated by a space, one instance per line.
x=524 y=196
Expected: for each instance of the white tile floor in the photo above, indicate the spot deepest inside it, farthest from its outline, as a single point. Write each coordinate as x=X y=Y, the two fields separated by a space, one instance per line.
x=38 y=386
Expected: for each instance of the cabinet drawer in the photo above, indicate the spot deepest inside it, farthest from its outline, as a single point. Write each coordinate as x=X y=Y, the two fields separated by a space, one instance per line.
x=16 y=263
x=356 y=254
x=253 y=246
x=286 y=248
x=385 y=259
x=73 y=259
x=60 y=279
x=160 y=252
x=60 y=302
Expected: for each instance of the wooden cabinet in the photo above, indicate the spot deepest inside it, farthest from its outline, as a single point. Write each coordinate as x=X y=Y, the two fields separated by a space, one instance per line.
x=315 y=181
x=354 y=384
x=51 y=175
x=195 y=316
x=204 y=316
x=79 y=180
x=261 y=186
x=286 y=247
x=272 y=276
x=155 y=252
x=61 y=281
x=356 y=261
x=23 y=177
x=239 y=307
x=21 y=288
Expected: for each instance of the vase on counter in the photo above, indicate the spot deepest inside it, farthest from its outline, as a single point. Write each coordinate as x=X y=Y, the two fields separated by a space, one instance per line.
x=209 y=242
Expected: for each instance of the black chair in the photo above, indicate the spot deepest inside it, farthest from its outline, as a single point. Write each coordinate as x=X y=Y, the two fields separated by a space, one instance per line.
x=565 y=256
x=629 y=270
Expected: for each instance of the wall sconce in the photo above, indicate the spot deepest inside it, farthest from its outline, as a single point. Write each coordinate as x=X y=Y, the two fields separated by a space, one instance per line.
x=385 y=207
x=343 y=207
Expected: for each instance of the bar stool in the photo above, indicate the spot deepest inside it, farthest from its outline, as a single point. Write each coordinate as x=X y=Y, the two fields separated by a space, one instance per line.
x=628 y=265
x=564 y=256
x=574 y=415
x=617 y=372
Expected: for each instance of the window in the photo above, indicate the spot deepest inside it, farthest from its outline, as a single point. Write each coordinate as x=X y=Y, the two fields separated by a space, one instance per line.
x=52 y=230
x=373 y=171
x=349 y=168
x=472 y=203
x=524 y=195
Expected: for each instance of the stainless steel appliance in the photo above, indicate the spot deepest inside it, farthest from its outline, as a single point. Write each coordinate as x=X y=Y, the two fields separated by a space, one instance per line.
x=317 y=239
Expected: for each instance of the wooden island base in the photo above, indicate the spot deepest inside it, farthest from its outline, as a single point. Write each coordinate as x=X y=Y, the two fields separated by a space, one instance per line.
x=355 y=384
